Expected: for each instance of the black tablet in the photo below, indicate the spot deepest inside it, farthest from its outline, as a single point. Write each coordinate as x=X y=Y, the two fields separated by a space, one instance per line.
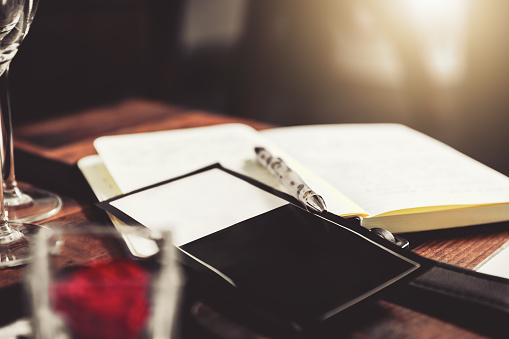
x=297 y=267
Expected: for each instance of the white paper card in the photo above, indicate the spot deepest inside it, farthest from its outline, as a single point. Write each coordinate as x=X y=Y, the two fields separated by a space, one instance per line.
x=198 y=205
x=497 y=264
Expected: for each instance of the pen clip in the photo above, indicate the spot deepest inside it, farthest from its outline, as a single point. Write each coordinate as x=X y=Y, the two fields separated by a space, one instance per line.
x=395 y=239
x=389 y=236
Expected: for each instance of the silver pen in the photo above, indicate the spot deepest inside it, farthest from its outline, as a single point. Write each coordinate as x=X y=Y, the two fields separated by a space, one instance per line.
x=292 y=182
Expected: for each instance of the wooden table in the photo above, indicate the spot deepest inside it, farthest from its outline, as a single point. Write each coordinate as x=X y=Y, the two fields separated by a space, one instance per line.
x=46 y=155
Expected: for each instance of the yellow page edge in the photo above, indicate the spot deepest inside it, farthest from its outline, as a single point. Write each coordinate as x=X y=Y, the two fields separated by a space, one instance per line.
x=428 y=209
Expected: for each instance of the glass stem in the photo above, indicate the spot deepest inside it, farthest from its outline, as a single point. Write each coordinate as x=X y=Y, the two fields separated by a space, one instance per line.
x=9 y=178
x=5 y=229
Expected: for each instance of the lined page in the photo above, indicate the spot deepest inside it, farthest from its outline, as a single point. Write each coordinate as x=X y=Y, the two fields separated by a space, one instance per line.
x=385 y=167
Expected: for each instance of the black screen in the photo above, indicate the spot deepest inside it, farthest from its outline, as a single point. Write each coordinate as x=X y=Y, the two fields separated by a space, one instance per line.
x=300 y=265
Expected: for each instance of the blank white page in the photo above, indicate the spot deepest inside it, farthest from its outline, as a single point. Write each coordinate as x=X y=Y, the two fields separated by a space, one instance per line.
x=497 y=264
x=197 y=205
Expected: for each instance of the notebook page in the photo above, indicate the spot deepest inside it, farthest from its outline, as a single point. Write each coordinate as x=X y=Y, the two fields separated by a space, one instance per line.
x=384 y=167
x=139 y=160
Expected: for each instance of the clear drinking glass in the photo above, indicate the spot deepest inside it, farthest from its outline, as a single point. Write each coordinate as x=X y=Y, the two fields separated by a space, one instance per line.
x=15 y=237
x=83 y=283
x=23 y=202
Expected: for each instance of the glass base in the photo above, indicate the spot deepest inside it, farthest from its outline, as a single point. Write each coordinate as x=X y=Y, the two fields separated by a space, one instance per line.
x=15 y=246
x=28 y=204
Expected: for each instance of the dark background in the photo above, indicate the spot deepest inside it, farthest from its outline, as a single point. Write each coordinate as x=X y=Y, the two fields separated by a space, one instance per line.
x=282 y=61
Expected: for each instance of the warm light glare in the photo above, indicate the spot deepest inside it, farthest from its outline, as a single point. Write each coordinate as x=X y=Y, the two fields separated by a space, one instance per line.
x=428 y=9
x=372 y=51
x=366 y=52
x=441 y=27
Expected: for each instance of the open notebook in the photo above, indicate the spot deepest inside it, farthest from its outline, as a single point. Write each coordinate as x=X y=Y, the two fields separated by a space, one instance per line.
x=389 y=175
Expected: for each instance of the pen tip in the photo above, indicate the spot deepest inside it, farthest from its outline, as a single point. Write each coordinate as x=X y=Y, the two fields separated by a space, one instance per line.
x=317 y=203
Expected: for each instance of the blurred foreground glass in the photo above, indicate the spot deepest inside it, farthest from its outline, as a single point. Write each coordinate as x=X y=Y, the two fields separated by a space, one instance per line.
x=85 y=284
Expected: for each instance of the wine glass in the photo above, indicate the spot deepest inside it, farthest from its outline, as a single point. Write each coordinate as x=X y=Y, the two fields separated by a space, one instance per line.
x=15 y=237
x=22 y=202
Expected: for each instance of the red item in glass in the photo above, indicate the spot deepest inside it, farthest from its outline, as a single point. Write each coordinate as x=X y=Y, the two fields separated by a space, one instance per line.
x=107 y=301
